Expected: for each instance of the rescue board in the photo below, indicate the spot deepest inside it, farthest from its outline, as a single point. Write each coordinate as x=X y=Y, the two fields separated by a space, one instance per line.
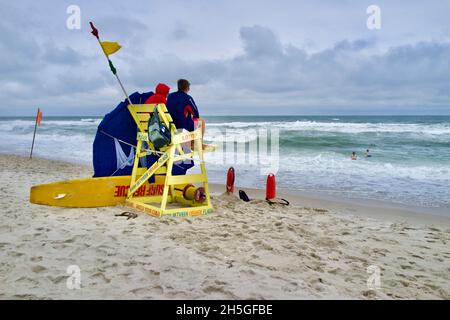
x=92 y=192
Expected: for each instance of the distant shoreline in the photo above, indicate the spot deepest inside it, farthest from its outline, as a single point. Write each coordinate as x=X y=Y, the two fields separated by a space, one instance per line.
x=251 y=115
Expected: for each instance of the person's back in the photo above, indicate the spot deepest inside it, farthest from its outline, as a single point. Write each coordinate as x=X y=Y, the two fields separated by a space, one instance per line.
x=182 y=107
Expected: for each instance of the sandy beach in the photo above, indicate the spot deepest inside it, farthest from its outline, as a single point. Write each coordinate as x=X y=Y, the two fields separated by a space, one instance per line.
x=314 y=248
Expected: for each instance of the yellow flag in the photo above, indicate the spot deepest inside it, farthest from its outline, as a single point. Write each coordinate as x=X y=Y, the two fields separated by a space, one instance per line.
x=110 y=47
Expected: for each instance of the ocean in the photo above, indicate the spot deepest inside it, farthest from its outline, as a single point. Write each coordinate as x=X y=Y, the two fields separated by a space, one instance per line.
x=410 y=161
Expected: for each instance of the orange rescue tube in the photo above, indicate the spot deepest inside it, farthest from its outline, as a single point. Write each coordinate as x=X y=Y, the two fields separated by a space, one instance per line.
x=271 y=190
x=191 y=192
x=230 y=180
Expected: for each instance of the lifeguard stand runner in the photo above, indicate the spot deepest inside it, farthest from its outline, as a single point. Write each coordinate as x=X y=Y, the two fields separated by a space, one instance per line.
x=178 y=196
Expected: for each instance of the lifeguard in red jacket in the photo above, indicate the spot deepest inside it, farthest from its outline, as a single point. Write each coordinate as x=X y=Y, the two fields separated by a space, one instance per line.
x=161 y=93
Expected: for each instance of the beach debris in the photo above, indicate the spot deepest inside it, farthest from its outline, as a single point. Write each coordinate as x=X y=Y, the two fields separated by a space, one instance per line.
x=129 y=215
x=281 y=201
x=230 y=263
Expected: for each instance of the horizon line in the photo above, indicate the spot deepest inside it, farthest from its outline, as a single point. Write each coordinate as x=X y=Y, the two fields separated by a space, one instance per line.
x=264 y=115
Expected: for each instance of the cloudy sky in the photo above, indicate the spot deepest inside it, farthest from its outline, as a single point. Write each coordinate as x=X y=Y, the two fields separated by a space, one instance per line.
x=242 y=57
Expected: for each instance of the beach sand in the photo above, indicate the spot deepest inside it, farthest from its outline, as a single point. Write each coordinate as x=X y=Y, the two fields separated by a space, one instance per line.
x=313 y=249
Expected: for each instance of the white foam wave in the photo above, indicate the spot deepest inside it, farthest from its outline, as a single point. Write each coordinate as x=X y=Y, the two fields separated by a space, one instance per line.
x=14 y=125
x=75 y=148
x=96 y=120
x=343 y=127
x=71 y=140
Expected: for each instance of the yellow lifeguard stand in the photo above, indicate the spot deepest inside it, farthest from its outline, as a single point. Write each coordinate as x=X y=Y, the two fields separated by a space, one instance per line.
x=172 y=200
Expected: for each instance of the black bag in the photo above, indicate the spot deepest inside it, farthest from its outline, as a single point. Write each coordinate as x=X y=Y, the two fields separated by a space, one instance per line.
x=243 y=196
x=158 y=134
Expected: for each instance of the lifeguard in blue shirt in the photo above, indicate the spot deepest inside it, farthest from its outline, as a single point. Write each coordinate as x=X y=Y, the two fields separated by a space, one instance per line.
x=185 y=115
x=182 y=107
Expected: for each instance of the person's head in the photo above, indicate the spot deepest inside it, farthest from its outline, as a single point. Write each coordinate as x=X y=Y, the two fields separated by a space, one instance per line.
x=162 y=89
x=183 y=85
x=367 y=150
x=353 y=153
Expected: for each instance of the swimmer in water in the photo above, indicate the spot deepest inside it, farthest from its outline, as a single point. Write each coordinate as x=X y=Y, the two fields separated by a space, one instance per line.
x=367 y=154
x=354 y=157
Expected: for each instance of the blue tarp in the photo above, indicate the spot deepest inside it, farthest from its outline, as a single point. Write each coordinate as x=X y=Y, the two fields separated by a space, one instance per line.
x=120 y=124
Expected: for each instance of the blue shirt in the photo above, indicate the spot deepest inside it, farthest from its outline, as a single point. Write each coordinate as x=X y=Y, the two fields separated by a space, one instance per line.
x=183 y=109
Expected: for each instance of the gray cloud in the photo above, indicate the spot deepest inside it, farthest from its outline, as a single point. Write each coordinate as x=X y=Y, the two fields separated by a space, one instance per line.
x=180 y=31
x=260 y=42
x=64 y=56
x=350 y=75
x=269 y=64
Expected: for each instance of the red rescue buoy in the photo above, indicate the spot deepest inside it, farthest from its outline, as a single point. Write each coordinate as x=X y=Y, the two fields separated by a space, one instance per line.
x=230 y=180
x=271 y=189
x=200 y=195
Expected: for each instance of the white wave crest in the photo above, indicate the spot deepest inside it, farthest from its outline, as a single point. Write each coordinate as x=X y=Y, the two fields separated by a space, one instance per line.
x=343 y=127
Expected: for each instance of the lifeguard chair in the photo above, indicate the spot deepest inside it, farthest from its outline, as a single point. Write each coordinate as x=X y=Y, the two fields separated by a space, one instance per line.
x=179 y=196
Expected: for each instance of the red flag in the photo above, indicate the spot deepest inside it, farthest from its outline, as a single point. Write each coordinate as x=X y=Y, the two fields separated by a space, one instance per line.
x=39 y=117
x=38 y=121
x=94 y=30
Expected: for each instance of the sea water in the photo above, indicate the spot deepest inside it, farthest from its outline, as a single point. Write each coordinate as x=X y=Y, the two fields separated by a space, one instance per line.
x=410 y=160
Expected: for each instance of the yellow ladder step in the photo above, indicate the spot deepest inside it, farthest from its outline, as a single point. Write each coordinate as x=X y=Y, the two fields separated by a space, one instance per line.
x=188 y=178
x=141 y=171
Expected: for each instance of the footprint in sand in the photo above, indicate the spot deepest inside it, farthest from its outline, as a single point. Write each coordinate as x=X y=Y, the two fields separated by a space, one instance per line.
x=335 y=271
x=405 y=267
x=369 y=294
x=15 y=254
x=422 y=247
x=248 y=272
x=139 y=291
x=315 y=256
x=212 y=289
x=36 y=258
x=100 y=276
x=27 y=280
x=57 y=280
x=38 y=269
x=154 y=273
x=71 y=240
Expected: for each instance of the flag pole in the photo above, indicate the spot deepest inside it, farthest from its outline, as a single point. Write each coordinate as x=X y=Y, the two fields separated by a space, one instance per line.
x=111 y=66
x=34 y=134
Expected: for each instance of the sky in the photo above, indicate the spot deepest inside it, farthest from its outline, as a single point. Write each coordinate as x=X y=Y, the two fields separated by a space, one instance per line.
x=242 y=57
